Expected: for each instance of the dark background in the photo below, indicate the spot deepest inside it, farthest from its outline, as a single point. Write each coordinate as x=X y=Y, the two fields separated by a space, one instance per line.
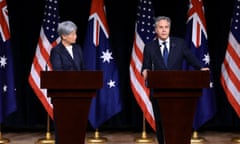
x=25 y=20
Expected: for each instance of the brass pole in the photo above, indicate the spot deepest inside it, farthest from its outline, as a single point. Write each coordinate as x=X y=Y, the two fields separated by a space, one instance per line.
x=196 y=139
x=2 y=139
x=48 y=139
x=144 y=138
x=96 y=138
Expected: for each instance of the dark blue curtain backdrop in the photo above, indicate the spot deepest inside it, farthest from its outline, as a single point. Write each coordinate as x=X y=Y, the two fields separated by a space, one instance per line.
x=25 y=21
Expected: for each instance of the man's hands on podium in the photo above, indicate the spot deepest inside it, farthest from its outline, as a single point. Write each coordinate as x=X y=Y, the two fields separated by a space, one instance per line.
x=144 y=72
x=205 y=69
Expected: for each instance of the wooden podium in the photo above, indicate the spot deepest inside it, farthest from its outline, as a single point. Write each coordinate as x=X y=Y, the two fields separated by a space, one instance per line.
x=71 y=93
x=177 y=93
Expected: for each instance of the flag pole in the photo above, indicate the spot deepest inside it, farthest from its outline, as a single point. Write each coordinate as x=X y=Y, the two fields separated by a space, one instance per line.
x=96 y=138
x=48 y=139
x=144 y=138
x=2 y=139
x=196 y=139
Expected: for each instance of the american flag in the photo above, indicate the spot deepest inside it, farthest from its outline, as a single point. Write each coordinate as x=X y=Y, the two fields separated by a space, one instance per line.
x=7 y=84
x=98 y=56
x=48 y=39
x=144 y=33
x=230 y=71
x=196 y=38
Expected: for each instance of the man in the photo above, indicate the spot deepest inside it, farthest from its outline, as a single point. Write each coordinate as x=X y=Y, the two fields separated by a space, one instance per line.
x=166 y=53
x=176 y=49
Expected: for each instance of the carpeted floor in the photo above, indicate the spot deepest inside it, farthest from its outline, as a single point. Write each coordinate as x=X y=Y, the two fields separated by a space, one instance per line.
x=210 y=137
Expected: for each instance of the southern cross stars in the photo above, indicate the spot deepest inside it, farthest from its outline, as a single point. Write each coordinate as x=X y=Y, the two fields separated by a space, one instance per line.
x=111 y=84
x=106 y=56
x=206 y=59
x=3 y=61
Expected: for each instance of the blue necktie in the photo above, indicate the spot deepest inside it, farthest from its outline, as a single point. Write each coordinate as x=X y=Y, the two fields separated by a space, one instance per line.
x=165 y=53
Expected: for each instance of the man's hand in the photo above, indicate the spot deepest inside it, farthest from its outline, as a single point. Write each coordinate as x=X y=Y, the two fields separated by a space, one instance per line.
x=205 y=69
x=144 y=73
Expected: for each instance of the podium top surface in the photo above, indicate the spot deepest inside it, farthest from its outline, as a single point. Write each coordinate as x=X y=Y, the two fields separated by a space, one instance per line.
x=71 y=79
x=178 y=79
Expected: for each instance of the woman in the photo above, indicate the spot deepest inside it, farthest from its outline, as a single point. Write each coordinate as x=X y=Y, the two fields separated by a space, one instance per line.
x=67 y=55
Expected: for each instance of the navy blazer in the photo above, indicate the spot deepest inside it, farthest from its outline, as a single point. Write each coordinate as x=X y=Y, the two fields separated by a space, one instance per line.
x=153 y=59
x=62 y=60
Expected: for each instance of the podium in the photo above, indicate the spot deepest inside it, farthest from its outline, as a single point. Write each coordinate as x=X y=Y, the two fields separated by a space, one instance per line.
x=177 y=93
x=71 y=93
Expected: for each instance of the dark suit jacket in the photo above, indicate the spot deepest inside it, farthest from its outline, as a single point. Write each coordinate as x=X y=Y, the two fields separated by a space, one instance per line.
x=62 y=60
x=153 y=59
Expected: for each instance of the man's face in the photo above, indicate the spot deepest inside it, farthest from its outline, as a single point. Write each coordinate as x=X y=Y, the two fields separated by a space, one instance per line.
x=162 y=29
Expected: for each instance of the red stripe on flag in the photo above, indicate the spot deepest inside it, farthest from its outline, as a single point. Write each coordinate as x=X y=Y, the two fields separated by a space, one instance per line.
x=41 y=95
x=48 y=39
x=230 y=73
x=137 y=83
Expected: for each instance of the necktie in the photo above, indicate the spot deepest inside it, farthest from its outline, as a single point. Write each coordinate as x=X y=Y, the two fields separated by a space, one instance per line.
x=165 y=53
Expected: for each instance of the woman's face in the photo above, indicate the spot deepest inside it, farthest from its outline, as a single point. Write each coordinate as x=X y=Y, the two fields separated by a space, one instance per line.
x=70 y=38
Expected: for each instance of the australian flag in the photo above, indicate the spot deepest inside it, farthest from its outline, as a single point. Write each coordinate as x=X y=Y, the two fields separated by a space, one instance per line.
x=196 y=38
x=7 y=86
x=98 y=55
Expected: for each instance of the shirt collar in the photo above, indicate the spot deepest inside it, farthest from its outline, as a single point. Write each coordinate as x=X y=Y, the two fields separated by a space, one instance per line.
x=161 y=41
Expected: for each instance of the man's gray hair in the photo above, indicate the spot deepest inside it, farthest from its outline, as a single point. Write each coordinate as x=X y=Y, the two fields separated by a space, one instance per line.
x=157 y=19
x=66 y=27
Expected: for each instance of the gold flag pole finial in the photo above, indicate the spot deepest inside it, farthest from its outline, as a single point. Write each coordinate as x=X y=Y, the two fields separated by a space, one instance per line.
x=144 y=138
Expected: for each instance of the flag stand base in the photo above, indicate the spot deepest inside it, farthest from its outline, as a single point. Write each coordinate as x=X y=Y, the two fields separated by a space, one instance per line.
x=236 y=140
x=144 y=138
x=196 y=139
x=96 y=138
x=47 y=140
x=4 y=140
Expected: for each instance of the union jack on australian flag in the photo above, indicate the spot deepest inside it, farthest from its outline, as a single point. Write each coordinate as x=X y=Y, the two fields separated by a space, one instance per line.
x=7 y=84
x=98 y=56
x=196 y=38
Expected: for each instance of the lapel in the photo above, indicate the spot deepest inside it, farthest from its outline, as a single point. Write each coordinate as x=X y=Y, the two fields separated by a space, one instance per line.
x=157 y=55
x=157 y=50
x=69 y=57
x=76 y=56
x=172 y=51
